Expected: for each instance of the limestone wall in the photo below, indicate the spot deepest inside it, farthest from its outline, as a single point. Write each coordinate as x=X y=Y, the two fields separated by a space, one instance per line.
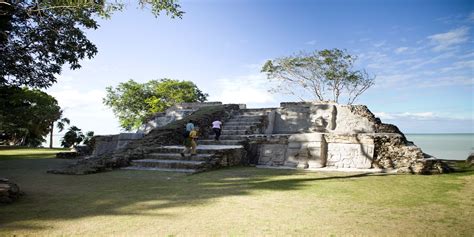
x=306 y=117
x=319 y=135
x=109 y=143
x=316 y=135
x=316 y=150
x=350 y=119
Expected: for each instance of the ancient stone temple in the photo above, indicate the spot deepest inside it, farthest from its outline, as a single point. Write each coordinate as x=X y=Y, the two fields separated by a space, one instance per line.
x=304 y=135
x=325 y=135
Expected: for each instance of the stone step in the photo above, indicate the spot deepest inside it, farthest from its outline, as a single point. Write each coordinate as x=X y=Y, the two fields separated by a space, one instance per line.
x=168 y=164
x=220 y=142
x=241 y=127
x=246 y=116
x=188 y=171
x=177 y=156
x=200 y=149
x=244 y=119
x=256 y=111
x=234 y=132
x=238 y=123
x=233 y=137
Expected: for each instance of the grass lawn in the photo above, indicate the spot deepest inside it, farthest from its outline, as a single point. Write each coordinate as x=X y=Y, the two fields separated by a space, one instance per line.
x=14 y=153
x=238 y=201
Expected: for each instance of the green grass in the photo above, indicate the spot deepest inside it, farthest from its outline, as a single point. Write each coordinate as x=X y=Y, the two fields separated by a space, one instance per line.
x=15 y=153
x=235 y=202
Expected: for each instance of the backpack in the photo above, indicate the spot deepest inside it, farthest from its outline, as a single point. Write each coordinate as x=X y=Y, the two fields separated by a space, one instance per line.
x=186 y=133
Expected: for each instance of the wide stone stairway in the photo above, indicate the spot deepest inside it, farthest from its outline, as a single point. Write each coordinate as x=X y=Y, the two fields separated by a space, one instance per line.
x=168 y=158
x=238 y=127
x=211 y=154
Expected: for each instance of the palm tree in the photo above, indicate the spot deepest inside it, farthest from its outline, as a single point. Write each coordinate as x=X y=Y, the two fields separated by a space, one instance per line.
x=61 y=123
x=72 y=137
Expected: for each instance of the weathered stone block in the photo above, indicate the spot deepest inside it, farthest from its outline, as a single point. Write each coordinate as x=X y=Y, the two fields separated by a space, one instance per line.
x=322 y=117
x=348 y=121
x=342 y=155
x=294 y=145
x=306 y=137
x=272 y=154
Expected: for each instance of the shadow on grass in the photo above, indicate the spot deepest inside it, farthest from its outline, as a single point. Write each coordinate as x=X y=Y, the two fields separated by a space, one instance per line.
x=122 y=192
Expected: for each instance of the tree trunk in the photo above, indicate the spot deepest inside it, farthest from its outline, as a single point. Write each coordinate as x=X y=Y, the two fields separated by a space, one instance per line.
x=51 y=136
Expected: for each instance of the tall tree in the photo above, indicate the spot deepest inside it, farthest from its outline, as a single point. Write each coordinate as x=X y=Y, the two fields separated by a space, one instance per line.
x=26 y=115
x=38 y=37
x=133 y=102
x=325 y=75
x=60 y=123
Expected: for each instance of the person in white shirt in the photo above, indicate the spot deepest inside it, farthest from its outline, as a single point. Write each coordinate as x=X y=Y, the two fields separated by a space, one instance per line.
x=217 y=127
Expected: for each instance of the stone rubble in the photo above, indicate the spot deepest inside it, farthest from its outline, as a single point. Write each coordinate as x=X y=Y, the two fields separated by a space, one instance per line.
x=9 y=191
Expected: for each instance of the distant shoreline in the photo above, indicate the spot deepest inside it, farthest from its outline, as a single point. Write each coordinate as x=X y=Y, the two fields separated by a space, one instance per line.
x=448 y=146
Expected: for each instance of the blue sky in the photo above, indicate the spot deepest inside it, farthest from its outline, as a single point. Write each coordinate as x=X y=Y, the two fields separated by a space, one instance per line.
x=420 y=51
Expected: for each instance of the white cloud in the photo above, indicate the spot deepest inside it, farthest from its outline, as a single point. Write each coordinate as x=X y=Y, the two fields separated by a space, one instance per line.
x=432 y=60
x=461 y=65
x=446 y=81
x=409 y=61
x=401 y=50
x=253 y=66
x=400 y=80
x=467 y=55
x=471 y=16
x=249 y=89
x=383 y=115
x=86 y=110
x=420 y=116
x=448 y=40
x=75 y=99
x=311 y=42
x=379 y=44
x=428 y=122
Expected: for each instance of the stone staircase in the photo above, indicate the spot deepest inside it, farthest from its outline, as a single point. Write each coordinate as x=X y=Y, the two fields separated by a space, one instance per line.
x=211 y=154
x=168 y=158
x=237 y=128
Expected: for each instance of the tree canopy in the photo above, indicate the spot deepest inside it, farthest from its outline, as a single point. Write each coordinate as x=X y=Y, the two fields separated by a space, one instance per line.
x=38 y=37
x=134 y=102
x=325 y=75
x=74 y=136
x=26 y=115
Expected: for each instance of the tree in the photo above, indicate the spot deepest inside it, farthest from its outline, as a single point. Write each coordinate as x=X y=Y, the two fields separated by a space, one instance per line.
x=134 y=102
x=72 y=137
x=325 y=75
x=61 y=122
x=168 y=92
x=26 y=115
x=88 y=138
x=38 y=37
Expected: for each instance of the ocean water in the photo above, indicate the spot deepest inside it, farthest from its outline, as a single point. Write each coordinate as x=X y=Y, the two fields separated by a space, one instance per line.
x=445 y=146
